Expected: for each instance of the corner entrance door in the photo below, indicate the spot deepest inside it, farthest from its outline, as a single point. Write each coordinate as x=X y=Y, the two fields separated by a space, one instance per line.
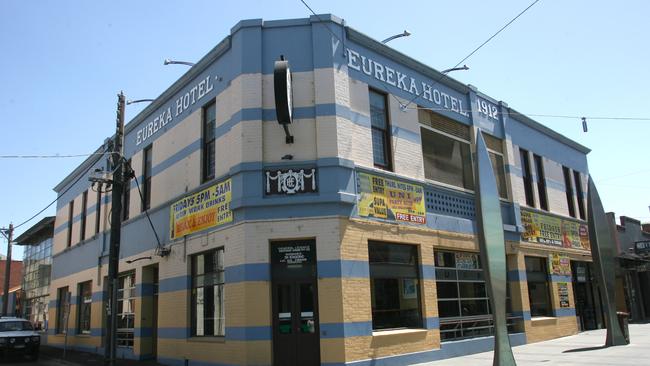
x=295 y=307
x=583 y=295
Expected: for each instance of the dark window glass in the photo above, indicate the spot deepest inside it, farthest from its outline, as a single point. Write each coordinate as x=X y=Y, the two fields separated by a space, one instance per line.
x=85 y=300
x=62 y=309
x=125 y=310
x=70 y=221
x=581 y=202
x=208 y=316
x=541 y=182
x=569 y=191
x=380 y=130
x=98 y=211
x=538 y=288
x=15 y=326
x=527 y=177
x=500 y=174
x=126 y=193
x=147 y=165
x=394 y=286
x=446 y=159
x=84 y=206
x=209 y=117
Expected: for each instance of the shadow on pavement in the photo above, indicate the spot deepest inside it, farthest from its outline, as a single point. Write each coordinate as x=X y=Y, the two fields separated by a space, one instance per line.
x=585 y=349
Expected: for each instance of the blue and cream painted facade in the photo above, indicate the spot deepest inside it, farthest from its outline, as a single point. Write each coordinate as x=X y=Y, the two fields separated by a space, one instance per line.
x=332 y=133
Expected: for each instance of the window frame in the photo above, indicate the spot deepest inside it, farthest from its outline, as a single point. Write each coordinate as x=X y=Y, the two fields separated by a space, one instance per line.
x=460 y=140
x=63 y=299
x=386 y=133
x=206 y=145
x=128 y=341
x=219 y=273
x=577 y=178
x=84 y=212
x=527 y=177
x=70 y=222
x=83 y=324
x=502 y=166
x=535 y=312
x=98 y=210
x=540 y=171
x=147 y=167
x=568 y=190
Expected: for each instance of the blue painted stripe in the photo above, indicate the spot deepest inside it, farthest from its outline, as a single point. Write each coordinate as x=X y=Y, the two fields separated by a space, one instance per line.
x=343 y=268
x=173 y=332
x=428 y=271
x=432 y=323
x=342 y=330
x=261 y=333
x=560 y=312
x=143 y=332
x=525 y=314
x=248 y=272
x=517 y=276
x=171 y=284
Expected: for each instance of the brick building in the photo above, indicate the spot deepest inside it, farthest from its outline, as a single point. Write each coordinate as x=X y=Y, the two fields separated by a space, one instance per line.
x=347 y=236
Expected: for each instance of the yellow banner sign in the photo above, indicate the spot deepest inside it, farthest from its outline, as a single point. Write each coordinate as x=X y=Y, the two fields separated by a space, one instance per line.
x=554 y=231
x=199 y=211
x=390 y=199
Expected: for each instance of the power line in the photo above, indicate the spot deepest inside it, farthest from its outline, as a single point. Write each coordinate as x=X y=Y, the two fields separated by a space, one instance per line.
x=53 y=156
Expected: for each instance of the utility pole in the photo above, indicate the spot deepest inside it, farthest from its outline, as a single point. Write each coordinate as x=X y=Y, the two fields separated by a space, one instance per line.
x=116 y=226
x=5 y=297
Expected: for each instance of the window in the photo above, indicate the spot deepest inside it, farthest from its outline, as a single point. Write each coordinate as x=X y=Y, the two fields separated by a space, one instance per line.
x=70 y=219
x=126 y=193
x=541 y=182
x=527 y=178
x=446 y=150
x=62 y=309
x=208 y=317
x=84 y=207
x=581 y=202
x=538 y=291
x=380 y=130
x=463 y=300
x=147 y=162
x=98 y=211
x=209 y=117
x=125 y=309
x=568 y=189
x=495 y=150
x=394 y=286
x=85 y=299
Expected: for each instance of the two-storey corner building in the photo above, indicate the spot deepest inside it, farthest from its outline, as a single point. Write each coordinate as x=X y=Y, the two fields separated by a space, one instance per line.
x=348 y=237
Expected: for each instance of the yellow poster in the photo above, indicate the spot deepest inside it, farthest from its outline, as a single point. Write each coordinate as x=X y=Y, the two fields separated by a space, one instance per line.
x=544 y=229
x=390 y=199
x=571 y=234
x=201 y=210
x=559 y=265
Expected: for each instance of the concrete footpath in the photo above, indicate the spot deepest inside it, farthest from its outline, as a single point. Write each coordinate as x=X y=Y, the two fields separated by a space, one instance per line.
x=583 y=349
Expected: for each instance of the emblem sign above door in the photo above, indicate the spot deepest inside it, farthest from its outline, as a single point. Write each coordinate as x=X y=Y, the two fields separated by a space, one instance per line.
x=290 y=181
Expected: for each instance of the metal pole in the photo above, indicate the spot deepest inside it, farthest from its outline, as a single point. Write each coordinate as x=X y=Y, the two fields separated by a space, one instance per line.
x=5 y=296
x=116 y=225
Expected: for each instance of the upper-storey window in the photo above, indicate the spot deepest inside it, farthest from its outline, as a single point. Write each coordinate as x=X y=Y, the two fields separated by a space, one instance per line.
x=380 y=130
x=98 y=210
x=581 y=202
x=568 y=189
x=126 y=194
x=209 y=117
x=70 y=219
x=445 y=150
x=495 y=150
x=147 y=165
x=527 y=177
x=541 y=182
x=84 y=209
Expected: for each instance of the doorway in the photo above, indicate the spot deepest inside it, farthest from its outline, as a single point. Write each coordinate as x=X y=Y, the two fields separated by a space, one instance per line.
x=296 y=340
x=583 y=295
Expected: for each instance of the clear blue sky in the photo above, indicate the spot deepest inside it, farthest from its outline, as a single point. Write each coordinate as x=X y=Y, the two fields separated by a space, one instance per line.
x=63 y=62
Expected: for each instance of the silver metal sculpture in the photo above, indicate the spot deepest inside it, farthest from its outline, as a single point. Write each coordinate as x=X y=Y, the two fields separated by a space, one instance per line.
x=493 y=252
x=603 y=250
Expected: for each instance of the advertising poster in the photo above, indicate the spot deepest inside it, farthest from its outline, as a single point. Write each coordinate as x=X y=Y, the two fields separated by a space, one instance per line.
x=563 y=292
x=559 y=265
x=390 y=199
x=199 y=211
x=544 y=229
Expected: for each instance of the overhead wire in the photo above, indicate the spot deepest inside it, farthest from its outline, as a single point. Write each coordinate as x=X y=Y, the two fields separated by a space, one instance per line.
x=52 y=156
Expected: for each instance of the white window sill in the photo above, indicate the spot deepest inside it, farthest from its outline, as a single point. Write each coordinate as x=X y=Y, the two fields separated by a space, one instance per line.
x=389 y=332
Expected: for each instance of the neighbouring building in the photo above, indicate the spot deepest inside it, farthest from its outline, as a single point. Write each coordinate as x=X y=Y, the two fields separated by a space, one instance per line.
x=633 y=242
x=346 y=237
x=15 y=272
x=37 y=267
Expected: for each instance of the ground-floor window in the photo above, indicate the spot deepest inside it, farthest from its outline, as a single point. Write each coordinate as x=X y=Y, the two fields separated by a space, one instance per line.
x=538 y=288
x=394 y=286
x=125 y=309
x=208 y=317
x=62 y=309
x=85 y=300
x=463 y=300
